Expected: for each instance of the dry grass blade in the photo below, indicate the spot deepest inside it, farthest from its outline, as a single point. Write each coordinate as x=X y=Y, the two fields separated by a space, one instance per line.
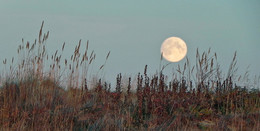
x=40 y=33
x=108 y=55
x=101 y=67
x=63 y=46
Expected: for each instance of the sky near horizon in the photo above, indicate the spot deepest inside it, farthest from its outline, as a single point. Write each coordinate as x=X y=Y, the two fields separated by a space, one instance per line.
x=134 y=30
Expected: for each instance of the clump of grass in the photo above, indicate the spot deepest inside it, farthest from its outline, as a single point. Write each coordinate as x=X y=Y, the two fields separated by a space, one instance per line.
x=33 y=95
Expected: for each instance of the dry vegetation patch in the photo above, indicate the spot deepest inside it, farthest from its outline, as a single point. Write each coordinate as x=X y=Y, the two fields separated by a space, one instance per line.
x=34 y=97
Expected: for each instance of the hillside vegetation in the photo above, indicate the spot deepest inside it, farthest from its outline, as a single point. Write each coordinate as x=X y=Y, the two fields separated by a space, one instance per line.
x=48 y=92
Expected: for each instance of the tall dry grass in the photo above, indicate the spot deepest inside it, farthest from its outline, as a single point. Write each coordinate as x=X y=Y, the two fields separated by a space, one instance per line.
x=32 y=96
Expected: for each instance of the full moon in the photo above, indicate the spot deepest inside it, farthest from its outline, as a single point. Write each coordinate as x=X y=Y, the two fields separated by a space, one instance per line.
x=173 y=49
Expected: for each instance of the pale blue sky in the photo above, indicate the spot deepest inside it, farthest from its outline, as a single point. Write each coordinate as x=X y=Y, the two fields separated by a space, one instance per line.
x=134 y=30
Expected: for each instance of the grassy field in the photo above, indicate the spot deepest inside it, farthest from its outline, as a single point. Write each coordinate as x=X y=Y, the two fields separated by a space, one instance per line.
x=48 y=92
